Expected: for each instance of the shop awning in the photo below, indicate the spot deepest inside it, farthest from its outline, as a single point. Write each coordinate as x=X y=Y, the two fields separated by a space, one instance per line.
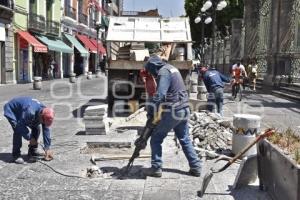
x=104 y=20
x=101 y=49
x=55 y=44
x=37 y=46
x=83 y=52
x=87 y=43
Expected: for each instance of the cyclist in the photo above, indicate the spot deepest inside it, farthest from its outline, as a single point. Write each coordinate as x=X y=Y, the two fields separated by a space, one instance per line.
x=238 y=72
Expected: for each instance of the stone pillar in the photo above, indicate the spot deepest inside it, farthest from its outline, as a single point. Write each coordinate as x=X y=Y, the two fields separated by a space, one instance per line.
x=71 y=67
x=30 y=74
x=251 y=17
x=246 y=128
x=86 y=65
x=236 y=40
x=9 y=43
x=61 y=74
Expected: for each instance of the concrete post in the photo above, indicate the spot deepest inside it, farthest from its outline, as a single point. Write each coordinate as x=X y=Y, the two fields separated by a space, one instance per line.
x=61 y=74
x=202 y=92
x=30 y=75
x=246 y=127
x=71 y=67
x=86 y=65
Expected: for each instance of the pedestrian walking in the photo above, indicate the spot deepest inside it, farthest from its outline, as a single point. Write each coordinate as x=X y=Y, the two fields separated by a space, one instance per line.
x=253 y=73
x=214 y=83
x=172 y=96
x=23 y=113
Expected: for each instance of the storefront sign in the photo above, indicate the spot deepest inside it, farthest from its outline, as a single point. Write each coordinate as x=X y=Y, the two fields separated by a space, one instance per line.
x=2 y=32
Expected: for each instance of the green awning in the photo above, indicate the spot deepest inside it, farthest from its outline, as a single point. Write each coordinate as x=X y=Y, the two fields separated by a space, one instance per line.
x=105 y=21
x=55 y=44
x=78 y=46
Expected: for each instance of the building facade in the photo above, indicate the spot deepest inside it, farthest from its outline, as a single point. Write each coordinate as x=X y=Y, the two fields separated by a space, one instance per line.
x=6 y=42
x=50 y=38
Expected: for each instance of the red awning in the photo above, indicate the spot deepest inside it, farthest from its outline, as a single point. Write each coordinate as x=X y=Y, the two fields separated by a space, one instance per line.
x=38 y=47
x=101 y=49
x=87 y=43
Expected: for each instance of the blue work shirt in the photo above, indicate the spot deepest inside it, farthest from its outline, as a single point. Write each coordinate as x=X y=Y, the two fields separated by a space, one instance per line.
x=23 y=112
x=214 y=79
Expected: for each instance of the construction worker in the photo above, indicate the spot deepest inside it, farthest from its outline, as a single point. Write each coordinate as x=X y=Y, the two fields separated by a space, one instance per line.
x=214 y=83
x=23 y=113
x=172 y=96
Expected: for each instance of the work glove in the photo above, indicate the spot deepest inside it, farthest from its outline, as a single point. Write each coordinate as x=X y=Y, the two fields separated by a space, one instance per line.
x=48 y=155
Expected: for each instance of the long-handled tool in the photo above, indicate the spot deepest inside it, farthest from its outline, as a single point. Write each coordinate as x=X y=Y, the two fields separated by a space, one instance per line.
x=94 y=159
x=212 y=171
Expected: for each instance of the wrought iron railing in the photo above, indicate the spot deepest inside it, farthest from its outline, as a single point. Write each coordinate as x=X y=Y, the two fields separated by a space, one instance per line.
x=83 y=19
x=70 y=12
x=52 y=27
x=36 y=22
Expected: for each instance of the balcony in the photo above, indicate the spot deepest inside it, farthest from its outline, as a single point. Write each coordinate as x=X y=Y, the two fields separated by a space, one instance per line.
x=6 y=3
x=70 y=12
x=36 y=22
x=83 y=19
x=52 y=27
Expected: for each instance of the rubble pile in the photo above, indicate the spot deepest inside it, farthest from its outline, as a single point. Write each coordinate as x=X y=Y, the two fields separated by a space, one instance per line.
x=211 y=135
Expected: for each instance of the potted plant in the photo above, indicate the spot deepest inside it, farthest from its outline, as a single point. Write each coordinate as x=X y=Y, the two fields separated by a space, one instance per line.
x=278 y=165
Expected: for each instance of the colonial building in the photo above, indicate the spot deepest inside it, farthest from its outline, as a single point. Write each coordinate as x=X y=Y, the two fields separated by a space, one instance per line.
x=6 y=42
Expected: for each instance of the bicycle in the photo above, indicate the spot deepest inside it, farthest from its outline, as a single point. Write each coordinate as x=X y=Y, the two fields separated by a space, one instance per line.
x=238 y=88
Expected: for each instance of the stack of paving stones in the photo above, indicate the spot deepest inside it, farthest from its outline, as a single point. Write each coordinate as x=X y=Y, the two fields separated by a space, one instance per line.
x=211 y=135
x=95 y=119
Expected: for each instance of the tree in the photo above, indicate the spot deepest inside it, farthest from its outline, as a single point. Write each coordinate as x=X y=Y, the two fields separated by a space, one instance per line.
x=234 y=9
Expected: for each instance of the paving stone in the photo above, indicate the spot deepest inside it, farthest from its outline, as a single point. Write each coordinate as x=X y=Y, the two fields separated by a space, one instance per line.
x=127 y=185
x=156 y=184
x=122 y=195
x=162 y=195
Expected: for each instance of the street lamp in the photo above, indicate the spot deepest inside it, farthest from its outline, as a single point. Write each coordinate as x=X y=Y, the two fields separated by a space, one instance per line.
x=216 y=5
x=205 y=19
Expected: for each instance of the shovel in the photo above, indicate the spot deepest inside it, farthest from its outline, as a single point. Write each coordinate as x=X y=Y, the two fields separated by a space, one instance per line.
x=212 y=171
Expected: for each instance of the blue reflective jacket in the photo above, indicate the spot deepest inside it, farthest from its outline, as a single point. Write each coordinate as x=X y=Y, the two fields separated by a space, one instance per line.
x=24 y=112
x=214 y=79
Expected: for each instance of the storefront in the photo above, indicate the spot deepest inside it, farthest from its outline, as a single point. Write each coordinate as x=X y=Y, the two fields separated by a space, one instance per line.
x=53 y=60
x=90 y=65
x=28 y=46
x=80 y=54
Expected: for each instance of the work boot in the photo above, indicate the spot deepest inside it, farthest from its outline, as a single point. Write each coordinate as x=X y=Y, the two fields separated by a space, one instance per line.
x=33 y=151
x=195 y=172
x=18 y=160
x=154 y=172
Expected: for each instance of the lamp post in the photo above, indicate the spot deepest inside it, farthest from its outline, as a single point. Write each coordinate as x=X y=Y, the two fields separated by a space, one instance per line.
x=204 y=19
x=216 y=5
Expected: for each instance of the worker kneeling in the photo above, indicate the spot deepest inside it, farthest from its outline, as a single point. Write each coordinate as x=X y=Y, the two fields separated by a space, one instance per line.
x=24 y=112
x=172 y=96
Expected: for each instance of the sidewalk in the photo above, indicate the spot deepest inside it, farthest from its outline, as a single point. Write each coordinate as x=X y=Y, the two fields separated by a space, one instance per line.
x=36 y=181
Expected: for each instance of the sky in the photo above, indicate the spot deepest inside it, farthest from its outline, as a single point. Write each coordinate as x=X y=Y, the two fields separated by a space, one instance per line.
x=166 y=8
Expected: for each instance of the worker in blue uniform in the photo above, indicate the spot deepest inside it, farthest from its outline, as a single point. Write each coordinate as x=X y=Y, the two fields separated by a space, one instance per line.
x=172 y=96
x=24 y=113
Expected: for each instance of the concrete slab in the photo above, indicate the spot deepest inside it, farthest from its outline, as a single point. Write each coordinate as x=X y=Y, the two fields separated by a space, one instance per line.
x=114 y=140
x=247 y=172
x=162 y=195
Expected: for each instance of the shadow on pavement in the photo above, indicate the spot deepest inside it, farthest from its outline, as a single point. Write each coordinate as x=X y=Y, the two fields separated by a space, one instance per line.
x=79 y=112
x=176 y=171
x=136 y=172
x=6 y=157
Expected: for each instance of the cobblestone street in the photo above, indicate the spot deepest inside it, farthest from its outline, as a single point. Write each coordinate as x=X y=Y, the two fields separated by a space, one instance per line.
x=35 y=180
